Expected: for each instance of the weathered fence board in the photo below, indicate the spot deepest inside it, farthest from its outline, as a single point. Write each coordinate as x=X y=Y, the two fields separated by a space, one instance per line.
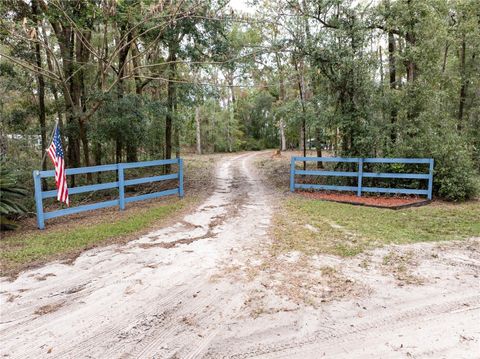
x=360 y=174
x=120 y=185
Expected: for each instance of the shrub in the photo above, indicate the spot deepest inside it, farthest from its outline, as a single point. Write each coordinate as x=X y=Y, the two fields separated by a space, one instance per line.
x=253 y=145
x=10 y=196
x=454 y=175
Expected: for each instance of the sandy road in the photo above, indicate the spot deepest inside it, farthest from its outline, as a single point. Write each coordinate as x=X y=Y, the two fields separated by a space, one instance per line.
x=179 y=293
x=151 y=298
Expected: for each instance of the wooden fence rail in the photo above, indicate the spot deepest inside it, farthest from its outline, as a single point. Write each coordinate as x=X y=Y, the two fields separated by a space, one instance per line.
x=360 y=174
x=120 y=185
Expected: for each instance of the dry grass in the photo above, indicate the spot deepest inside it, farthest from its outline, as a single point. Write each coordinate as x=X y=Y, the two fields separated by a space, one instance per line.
x=294 y=230
x=312 y=226
x=49 y=308
x=401 y=266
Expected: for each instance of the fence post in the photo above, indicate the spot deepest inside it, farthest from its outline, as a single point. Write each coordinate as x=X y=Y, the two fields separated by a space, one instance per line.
x=360 y=177
x=180 y=178
x=38 y=199
x=292 y=175
x=430 y=179
x=121 y=186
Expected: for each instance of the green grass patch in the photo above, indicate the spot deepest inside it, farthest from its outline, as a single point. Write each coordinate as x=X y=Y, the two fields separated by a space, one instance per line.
x=65 y=241
x=313 y=226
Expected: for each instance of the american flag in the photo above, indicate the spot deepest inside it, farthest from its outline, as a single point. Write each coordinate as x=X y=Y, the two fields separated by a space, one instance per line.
x=55 y=152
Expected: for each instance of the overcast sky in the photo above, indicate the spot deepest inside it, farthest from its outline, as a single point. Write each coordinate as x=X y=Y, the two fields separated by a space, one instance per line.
x=241 y=5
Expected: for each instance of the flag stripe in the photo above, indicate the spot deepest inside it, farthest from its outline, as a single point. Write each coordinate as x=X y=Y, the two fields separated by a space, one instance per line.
x=55 y=152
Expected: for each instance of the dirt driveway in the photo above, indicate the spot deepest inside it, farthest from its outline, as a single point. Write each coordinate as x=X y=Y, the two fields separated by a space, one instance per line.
x=206 y=287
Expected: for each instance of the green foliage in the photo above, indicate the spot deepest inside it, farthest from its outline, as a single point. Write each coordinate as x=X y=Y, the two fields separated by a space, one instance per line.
x=11 y=195
x=433 y=133
x=134 y=66
x=455 y=177
x=121 y=120
x=255 y=111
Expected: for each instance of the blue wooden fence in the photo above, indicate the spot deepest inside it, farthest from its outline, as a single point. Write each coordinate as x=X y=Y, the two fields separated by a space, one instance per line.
x=360 y=174
x=120 y=185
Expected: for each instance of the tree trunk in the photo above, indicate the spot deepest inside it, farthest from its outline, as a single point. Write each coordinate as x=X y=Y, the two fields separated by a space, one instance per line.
x=169 y=118
x=125 y=36
x=411 y=67
x=410 y=39
x=318 y=145
x=335 y=141
x=132 y=154
x=176 y=133
x=302 y=141
x=97 y=154
x=283 y=141
x=53 y=87
x=118 y=151
x=65 y=38
x=136 y=64
x=198 y=131
x=171 y=99
x=445 y=54
x=73 y=144
x=380 y=61
x=82 y=56
x=86 y=153
x=122 y=59
x=281 y=124
x=40 y=95
x=393 y=85
x=301 y=88
x=231 y=106
x=463 y=85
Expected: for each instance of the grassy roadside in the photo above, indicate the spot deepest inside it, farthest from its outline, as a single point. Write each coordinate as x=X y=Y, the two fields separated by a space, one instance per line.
x=67 y=237
x=32 y=248
x=313 y=226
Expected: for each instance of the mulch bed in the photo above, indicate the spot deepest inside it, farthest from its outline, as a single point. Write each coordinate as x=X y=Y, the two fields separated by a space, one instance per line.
x=391 y=202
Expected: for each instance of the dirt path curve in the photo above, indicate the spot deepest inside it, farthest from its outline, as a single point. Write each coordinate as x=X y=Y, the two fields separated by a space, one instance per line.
x=203 y=288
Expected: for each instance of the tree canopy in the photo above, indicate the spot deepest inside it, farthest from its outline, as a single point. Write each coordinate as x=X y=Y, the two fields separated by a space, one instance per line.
x=128 y=80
